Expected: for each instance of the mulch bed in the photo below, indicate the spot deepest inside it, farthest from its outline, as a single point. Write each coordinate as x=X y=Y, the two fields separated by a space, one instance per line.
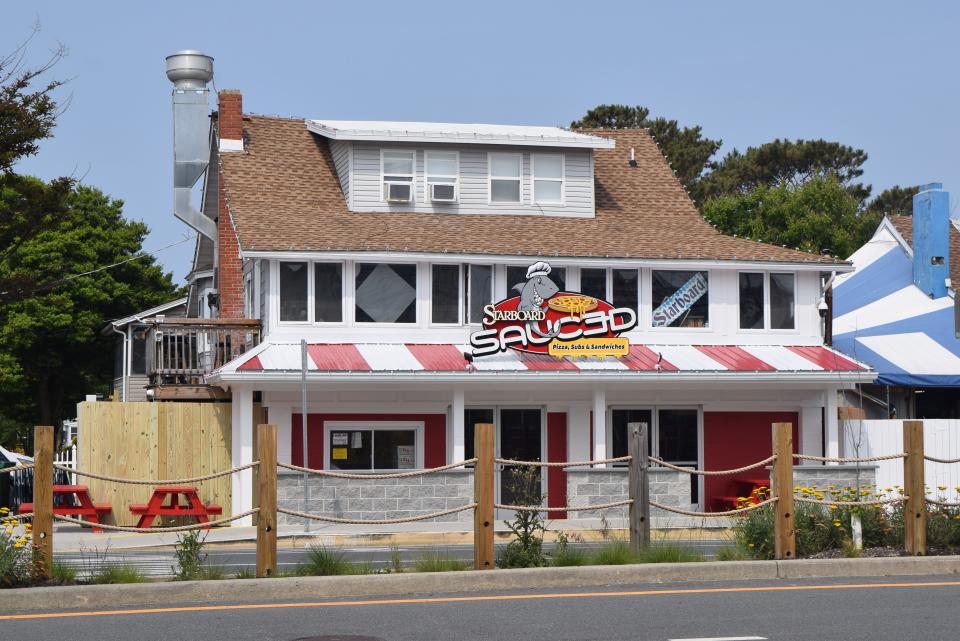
x=887 y=551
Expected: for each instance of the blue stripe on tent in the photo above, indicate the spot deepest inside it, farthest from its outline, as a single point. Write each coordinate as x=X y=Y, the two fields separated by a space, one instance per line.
x=890 y=273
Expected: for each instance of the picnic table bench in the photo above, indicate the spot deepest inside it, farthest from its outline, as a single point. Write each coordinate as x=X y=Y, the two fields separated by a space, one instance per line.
x=66 y=506
x=155 y=507
x=746 y=488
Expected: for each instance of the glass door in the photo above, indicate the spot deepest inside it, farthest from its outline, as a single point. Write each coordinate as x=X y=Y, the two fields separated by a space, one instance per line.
x=519 y=437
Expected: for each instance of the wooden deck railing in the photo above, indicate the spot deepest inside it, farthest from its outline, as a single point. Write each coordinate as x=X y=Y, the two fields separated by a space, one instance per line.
x=184 y=350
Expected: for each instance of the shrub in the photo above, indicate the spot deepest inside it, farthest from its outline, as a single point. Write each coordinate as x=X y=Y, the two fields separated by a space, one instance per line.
x=323 y=561
x=526 y=549
x=189 y=555
x=245 y=573
x=669 y=553
x=732 y=553
x=564 y=555
x=613 y=552
x=439 y=562
x=64 y=574
x=117 y=573
x=17 y=567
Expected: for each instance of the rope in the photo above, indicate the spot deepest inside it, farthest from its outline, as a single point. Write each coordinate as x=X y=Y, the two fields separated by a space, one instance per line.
x=138 y=530
x=16 y=468
x=582 y=508
x=195 y=479
x=943 y=503
x=374 y=477
x=844 y=459
x=409 y=519
x=801 y=499
x=663 y=463
x=741 y=510
x=941 y=460
x=16 y=517
x=619 y=459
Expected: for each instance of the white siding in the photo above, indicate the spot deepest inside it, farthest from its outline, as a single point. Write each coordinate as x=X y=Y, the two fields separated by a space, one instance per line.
x=474 y=194
x=341 y=160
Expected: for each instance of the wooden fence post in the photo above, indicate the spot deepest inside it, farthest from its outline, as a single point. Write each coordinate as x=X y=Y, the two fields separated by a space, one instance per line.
x=43 y=498
x=639 y=487
x=483 y=449
x=784 y=533
x=267 y=517
x=914 y=486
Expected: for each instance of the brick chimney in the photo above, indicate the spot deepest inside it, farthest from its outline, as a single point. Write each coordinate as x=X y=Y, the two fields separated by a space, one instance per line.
x=229 y=265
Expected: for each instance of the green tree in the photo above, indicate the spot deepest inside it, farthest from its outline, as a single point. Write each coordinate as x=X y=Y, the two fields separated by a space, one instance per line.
x=687 y=150
x=817 y=215
x=896 y=201
x=790 y=163
x=52 y=351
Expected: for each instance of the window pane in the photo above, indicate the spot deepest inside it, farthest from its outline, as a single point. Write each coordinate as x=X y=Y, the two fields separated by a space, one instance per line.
x=445 y=294
x=593 y=282
x=505 y=165
x=678 y=442
x=481 y=290
x=625 y=288
x=264 y=285
x=328 y=292
x=442 y=164
x=505 y=191
x=350 y=449
x=547 y=191
x=548 y=166
x=386 y=293
x=680 y=299
x=138 y=351
x=517 y=275
x=781 y=301
x=397 y=162
x=293 y=291
x=751 y=301
x=394 y=449
x=619 y=431
x=471 y=417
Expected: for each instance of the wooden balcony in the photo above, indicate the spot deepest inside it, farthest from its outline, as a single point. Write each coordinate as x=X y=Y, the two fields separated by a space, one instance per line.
x=181 y=352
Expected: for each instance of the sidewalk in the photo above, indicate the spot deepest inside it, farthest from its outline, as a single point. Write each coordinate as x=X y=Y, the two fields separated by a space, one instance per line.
x=71 y=538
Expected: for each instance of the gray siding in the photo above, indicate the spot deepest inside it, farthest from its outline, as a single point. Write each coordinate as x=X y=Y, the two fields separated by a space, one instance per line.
x=367 y=190
x=341 y=160
x=136 y=387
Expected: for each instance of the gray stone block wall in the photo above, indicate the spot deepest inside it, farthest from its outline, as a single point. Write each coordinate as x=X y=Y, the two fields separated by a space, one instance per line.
x=606 y=485
x=840 y=476
x=377 y=498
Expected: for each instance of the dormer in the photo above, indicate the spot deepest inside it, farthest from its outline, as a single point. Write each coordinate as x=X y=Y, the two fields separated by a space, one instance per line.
x=462 y=168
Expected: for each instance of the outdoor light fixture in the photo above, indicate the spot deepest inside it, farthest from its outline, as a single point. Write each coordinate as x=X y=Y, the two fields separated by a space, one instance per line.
x=822 y=308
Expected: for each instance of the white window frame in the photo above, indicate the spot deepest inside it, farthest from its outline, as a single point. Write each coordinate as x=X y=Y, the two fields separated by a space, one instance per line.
x=375 y=426
x=767 y=308
x=444 y=179
x=312 y=312
x=279 y=269
x=711 y=312
x=353 y=292
x=460 y=296
x=491 y=178
x=562 y=180
x=413 y=175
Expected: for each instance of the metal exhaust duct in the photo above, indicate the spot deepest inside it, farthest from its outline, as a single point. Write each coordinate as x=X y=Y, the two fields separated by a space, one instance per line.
x=190 y=71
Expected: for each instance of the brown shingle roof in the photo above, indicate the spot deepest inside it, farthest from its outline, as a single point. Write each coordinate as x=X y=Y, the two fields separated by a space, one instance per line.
x=284 y=195
x=904 y=225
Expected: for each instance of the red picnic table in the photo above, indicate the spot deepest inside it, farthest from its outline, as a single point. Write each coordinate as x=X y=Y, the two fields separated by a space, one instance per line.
x=67 y=507
x=155 y=506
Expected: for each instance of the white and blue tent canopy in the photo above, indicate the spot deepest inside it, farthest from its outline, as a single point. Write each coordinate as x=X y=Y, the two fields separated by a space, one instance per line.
x=883 y=319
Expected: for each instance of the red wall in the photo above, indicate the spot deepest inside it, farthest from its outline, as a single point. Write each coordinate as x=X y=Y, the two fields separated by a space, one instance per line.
x=556 y=452
x=434 y=435
x=735 y=439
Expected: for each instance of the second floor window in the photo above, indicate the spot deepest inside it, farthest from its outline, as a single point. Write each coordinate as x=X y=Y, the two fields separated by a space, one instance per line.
x=397 y=169
x=766 y=301
x=386 y=293
x=327 y=292
x=442 y=174
x=478 y=290
x=505 y=170
x=445 y=294
x=548 y=178
x=680 y=298
x=293 y=292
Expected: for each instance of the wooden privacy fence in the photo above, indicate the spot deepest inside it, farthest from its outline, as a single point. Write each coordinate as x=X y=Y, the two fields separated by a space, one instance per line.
x=266 y=510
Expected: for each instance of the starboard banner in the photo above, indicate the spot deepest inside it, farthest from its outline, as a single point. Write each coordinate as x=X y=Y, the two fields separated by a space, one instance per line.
x=677 y=303
x=544 y=320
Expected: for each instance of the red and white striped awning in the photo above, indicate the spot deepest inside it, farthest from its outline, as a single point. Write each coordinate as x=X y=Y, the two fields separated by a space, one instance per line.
x=380 y=358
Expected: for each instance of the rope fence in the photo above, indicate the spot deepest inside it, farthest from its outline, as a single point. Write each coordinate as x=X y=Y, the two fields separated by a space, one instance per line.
x=943 y=503
x=183 y=481
x=567 y=508
x=603 y=461
x=408 y=519
x=175 y=528
x=16 y=468
x=849 y=459
x=934 y=459
x=878 y=501
x=741 y=510
x=372 y=476
x=688 y=470
x=16 y=517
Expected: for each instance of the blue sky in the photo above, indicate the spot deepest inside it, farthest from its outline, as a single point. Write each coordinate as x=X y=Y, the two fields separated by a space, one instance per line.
x=876 y=75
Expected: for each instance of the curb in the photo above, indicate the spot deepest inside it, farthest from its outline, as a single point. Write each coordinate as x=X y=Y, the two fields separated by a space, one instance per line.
x=323 y=587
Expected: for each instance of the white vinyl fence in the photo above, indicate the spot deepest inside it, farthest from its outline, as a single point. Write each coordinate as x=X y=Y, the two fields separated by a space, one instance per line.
x=941 y=439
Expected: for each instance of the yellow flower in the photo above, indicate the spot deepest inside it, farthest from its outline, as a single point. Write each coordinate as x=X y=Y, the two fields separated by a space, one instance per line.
x=833 y=507
x=836 y=523
x=942 y=488
x=4 y=510
x=18 y=545
x=751 y=545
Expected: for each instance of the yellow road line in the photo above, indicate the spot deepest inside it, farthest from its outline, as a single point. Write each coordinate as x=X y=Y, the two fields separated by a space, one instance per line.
x=494 y=597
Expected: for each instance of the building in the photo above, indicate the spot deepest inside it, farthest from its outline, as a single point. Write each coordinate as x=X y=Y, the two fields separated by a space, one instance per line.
x=414 y=279
x=898 y=312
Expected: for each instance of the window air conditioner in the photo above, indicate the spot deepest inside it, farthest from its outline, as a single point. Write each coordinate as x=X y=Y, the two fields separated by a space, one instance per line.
x=398 y=192
x=443 y=192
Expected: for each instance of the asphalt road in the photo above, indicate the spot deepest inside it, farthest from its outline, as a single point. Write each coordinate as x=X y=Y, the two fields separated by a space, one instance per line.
x=813 y=610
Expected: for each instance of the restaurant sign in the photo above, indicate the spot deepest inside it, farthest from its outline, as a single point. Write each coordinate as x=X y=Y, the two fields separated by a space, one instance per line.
x=544 y=320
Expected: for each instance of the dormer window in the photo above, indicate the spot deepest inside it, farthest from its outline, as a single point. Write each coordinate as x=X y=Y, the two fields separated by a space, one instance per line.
x=443 y=172
x=397 y=169
x=505 y=170
x=548 y=179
